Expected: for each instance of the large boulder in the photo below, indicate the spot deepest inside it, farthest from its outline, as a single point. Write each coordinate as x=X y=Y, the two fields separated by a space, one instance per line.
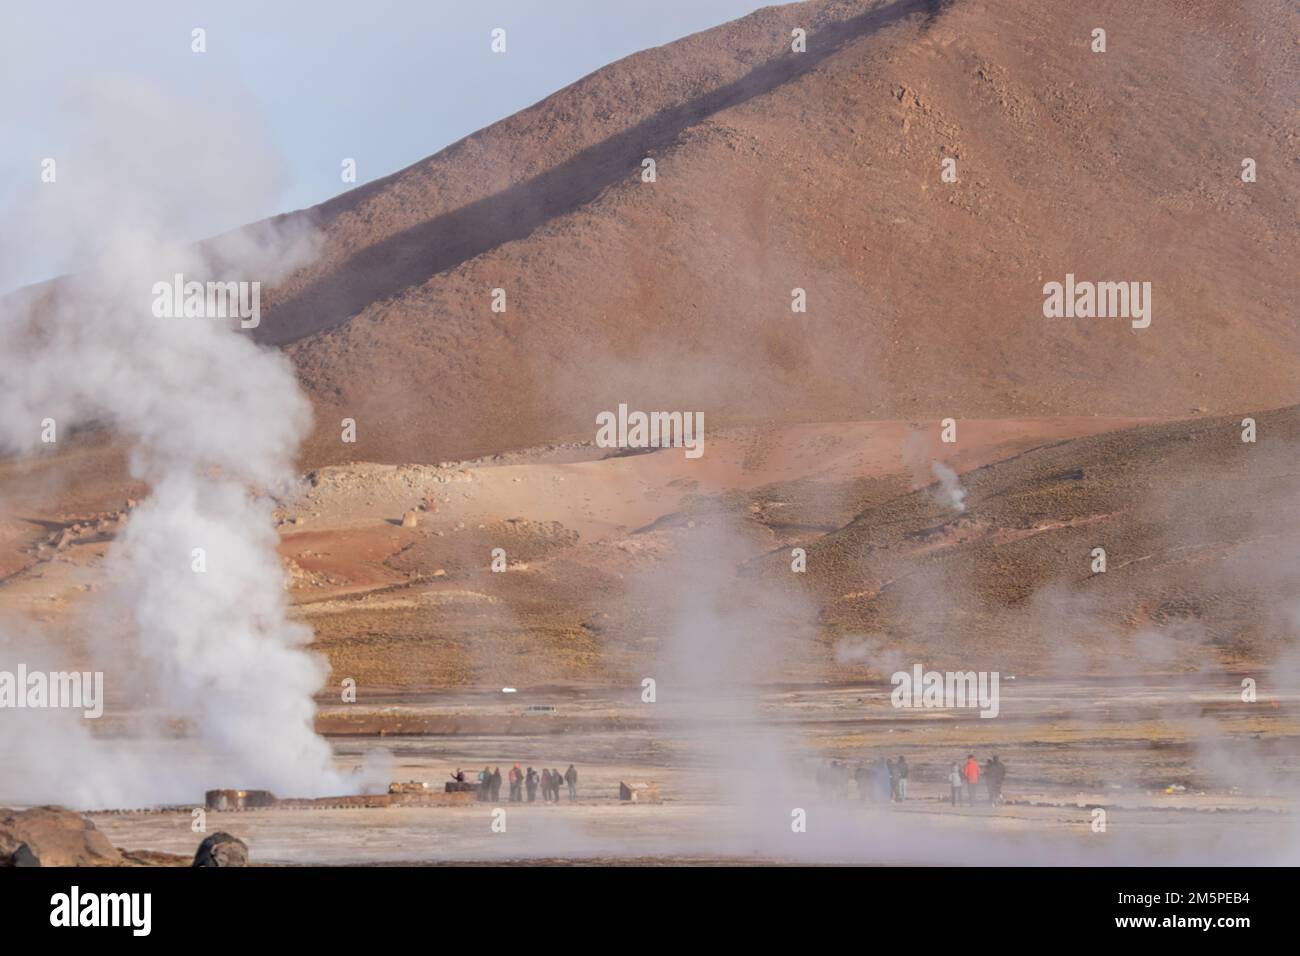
x=222 y=849
x=53 y=836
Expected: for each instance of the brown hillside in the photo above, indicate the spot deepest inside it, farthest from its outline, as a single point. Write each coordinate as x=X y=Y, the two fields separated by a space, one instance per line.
x=821 y=171
x=1199 y=530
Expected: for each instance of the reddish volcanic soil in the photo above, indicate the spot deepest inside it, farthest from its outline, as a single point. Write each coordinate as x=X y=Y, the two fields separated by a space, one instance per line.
x=779 y=170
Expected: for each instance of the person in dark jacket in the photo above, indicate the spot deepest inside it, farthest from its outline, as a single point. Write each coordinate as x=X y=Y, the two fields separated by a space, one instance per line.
x=546 y=785
x=882 y=779
x=556 y=782
x=516 y=784
x=571 y=778
x=995 y=771
x=484 y=784
x=530 y=783
x=862 y=777
x=496 y=784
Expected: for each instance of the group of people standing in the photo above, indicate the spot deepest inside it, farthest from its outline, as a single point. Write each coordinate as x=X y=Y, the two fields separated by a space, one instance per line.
x=525 y=782
x=885 y=781
x=967 y=777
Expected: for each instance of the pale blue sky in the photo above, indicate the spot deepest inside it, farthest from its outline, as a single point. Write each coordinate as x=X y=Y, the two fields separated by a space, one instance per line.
x=385 y=81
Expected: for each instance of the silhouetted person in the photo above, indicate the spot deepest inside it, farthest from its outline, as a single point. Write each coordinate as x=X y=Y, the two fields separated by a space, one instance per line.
x=459 y=775
x=995 y=771
x=556 y=781
x=571 y=778
x=530 y=783
x=516 y=784
x=496 y=784
x=893 y=780
x=546 y=785
x=900 y=777
x=955 y=781
x=862 y=777
x=484 y=784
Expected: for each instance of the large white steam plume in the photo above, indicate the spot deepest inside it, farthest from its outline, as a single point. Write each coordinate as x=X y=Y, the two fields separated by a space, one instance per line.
x=213 y=424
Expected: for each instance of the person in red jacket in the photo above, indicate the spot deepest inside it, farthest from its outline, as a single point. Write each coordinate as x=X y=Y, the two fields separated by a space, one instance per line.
x=972 y=774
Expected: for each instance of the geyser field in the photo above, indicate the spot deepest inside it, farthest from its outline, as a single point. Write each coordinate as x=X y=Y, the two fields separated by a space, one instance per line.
x=623 y=568
x=857 y=380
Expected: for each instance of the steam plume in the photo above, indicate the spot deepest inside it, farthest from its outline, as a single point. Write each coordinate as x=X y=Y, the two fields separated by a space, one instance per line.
x=213 y=423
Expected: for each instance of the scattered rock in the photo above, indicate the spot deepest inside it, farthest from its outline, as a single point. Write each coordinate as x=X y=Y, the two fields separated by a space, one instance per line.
x=53 y=836
x=222 y=849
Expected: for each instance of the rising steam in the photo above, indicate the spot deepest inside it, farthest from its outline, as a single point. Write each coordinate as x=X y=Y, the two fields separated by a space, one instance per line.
x=950 y=490
x=213 y=424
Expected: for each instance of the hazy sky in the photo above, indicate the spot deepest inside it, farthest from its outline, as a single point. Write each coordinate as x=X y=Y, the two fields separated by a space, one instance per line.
x=386 y=82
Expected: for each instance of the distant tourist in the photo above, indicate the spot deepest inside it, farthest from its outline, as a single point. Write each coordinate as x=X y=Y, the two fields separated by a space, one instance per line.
x=955 y=781
x=900 y=778
x=995 y=771
x=972 y=775
x=571 y=778
x=862 y=777
x=516 y=784
x=496 y=784
x=884 y=787
x=530 y=784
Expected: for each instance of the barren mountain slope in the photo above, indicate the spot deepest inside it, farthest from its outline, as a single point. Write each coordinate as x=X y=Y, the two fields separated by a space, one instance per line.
x=821 y=171
x=1199 y=529
x=1201 y=564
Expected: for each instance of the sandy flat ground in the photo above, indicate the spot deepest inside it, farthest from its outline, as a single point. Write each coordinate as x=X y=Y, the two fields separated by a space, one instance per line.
x=923 y=832
x=1138 y=750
